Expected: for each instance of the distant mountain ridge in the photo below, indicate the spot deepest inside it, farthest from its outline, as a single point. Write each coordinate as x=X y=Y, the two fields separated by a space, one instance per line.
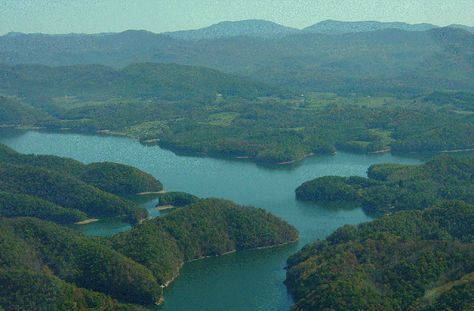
x=339 y=27
x=252 y=28
x=463 y=27
x=381 y=62
x=266 y=29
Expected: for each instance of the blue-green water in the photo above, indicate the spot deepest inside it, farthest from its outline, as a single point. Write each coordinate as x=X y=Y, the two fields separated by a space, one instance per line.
x=252 y=280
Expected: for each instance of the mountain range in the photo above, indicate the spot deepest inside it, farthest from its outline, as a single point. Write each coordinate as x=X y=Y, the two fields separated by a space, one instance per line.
x=252 y=28
x=267 y=29
x=371 y=58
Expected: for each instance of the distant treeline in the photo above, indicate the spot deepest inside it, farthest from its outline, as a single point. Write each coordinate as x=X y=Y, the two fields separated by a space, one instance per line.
x=383 y=62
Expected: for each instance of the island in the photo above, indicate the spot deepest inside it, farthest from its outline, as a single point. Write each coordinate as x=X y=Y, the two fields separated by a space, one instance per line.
x=170 y=200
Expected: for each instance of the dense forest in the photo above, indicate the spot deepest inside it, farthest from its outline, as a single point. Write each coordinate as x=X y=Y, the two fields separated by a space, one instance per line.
x=411 y=260
x=270 y=127
x=210 y=227
x=419 y=256
x=44 y=266
x=74 y=271
x=48 y=253
x=256 y=91
x=390 y=188
x=15 y=112
x=67 y=191
x=146 y=80
x=176 y=199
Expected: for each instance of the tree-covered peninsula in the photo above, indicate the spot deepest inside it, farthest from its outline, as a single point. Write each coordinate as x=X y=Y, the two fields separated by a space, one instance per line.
x=41 y=258
x=37 y=253
x=410 y=260
x=419 y=256
x=210 y=227
x=198 y=111
x=390 y=188
x=44 y=266
x=67 y=191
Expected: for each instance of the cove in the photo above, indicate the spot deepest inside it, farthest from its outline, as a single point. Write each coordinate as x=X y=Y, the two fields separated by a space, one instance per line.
x=251 y=280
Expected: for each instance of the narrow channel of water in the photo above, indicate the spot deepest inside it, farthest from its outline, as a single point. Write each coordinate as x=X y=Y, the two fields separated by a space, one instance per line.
x=251 y=280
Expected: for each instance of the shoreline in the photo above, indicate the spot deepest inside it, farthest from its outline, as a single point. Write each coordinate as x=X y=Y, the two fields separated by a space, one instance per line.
x=151 y=192
x=457 y=150
x=297 y=160
x=165 y=207
x=235 y=251
x=86 y=221
x=217 y=156
x=381 y=151
x=154 y=142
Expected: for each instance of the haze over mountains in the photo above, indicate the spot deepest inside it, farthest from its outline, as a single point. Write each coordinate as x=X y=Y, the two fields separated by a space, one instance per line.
x=371 y=58
x=268 y=29
x=147 y=80
x=253 y=28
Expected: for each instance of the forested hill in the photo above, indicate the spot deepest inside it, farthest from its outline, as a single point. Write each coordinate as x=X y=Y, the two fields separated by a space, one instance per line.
x=48 y=267
x=66 y=191
x=209 y=227
x=412 y=260
x=15 y=112
x=44 y=266
x=390 y=188
x=419 y=256
x=145 y=80
x=371 y=63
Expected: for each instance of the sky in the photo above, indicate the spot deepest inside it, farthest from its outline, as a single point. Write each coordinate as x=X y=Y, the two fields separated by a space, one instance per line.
x=93 y=16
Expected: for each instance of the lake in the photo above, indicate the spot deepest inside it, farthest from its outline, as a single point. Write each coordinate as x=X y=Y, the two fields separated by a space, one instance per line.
x=251 y=280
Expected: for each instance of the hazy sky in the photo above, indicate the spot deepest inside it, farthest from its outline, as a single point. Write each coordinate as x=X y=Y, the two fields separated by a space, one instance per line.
x=92 y=16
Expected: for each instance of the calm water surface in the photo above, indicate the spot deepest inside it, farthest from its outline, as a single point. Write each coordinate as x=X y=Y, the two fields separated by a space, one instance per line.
x=251 y=280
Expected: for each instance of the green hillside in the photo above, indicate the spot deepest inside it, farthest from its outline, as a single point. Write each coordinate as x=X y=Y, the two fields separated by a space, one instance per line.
x=45 y=252
x=209 y=227
x=410 y=260
x=419 y=256
x=387 y=61
x=146 y=80
x=14 y=112
x=76 y=272
x=66 y=191
x=391 y=188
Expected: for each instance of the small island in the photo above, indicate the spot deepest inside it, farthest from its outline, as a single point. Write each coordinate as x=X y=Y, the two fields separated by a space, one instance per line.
x=171 y=200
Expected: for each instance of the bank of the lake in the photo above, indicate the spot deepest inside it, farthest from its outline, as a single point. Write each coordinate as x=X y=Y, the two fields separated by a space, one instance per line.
x=250 y=280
